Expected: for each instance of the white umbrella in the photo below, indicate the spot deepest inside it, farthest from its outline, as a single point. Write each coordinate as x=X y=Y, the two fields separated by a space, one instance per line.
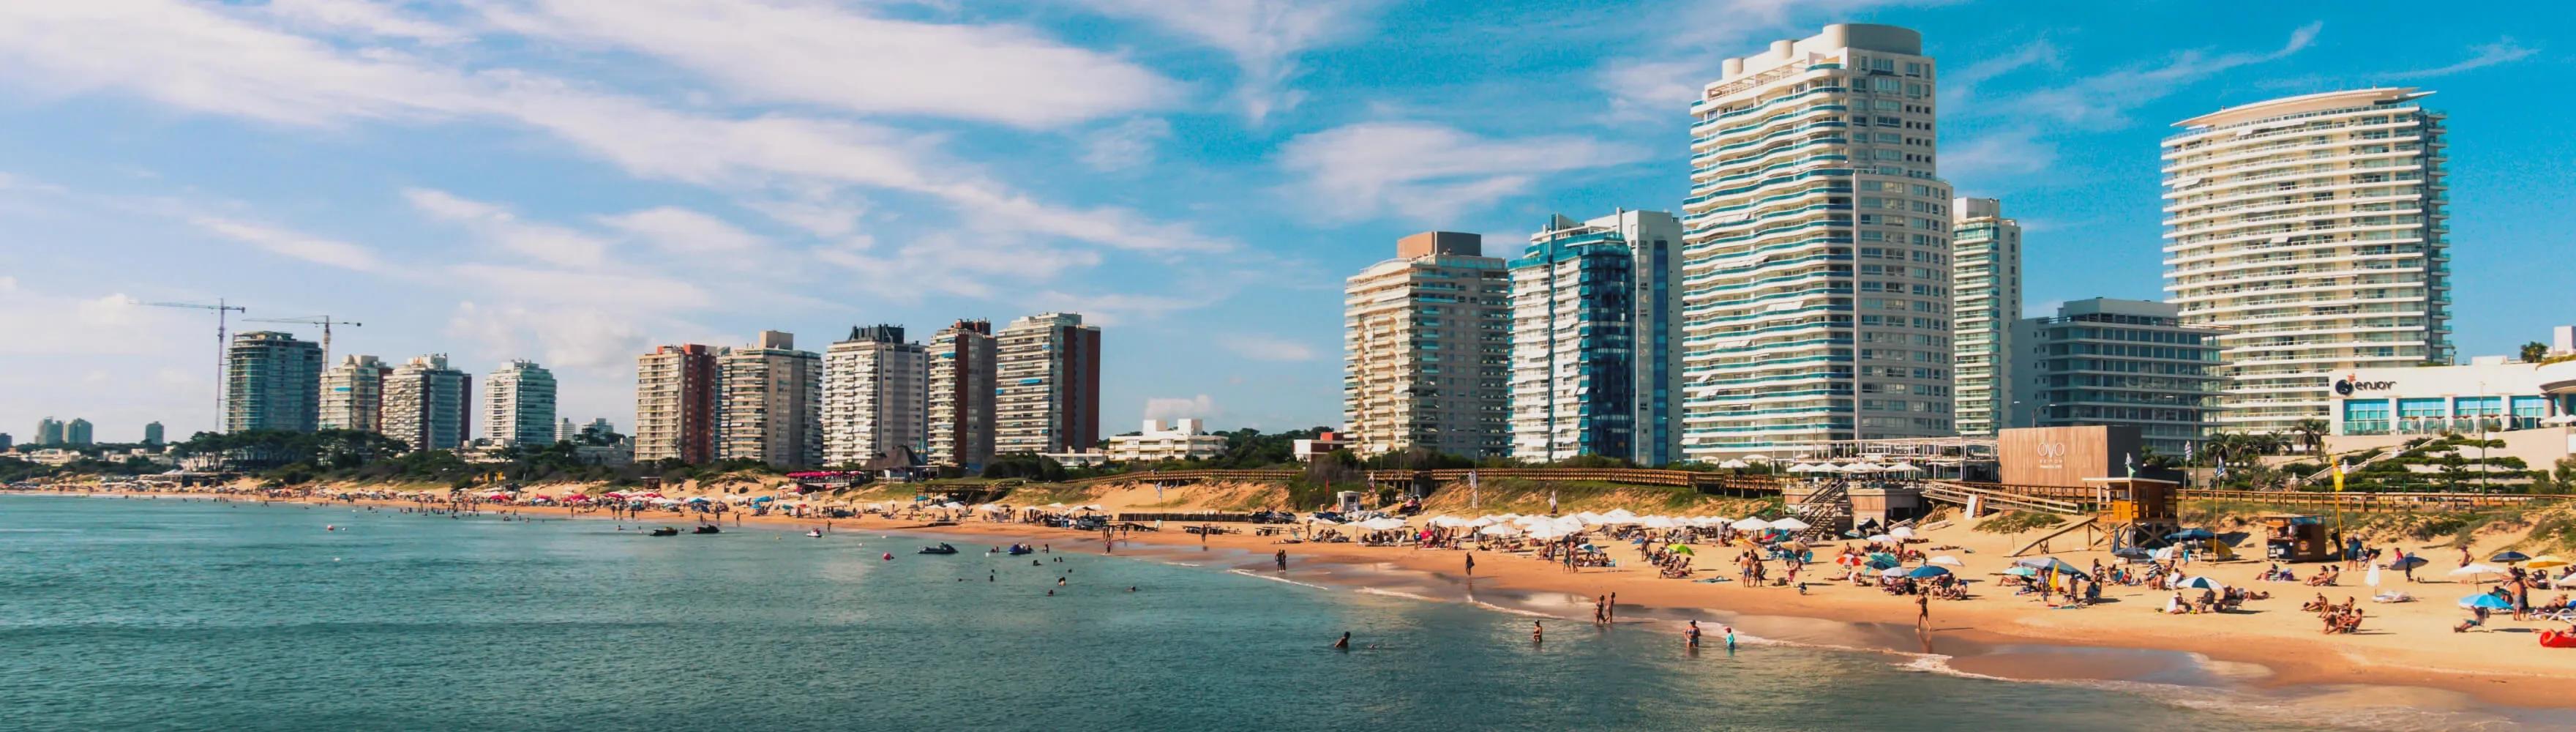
x=1619 y=515
x=952 y=505
x=1499 y=530
x=1905 y=467
x=1879 y=539
x=1658 y=522
x=1789 y=524
x=1323 y=521
x=1735 y=464
x=1893 y=572
x=1750 y=524
x=1802 y=468
x=2476 y=569
x=1757 y=458
x=1902 y=532
x=1381 y=524
x=1946 y=559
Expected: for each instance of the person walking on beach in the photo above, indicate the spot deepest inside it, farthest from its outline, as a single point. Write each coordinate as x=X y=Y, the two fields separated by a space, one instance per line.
x=1923 y=612
x=1471 y=563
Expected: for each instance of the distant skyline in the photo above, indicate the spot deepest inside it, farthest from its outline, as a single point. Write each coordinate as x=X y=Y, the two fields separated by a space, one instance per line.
x=576 y=181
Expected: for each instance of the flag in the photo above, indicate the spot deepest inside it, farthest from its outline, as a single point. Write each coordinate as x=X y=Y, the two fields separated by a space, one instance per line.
x=1551 y=502
x=2338 y=475
x=1473 y=492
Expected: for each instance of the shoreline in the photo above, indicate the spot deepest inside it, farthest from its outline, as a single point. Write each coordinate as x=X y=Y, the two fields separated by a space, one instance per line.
x=1979 y=637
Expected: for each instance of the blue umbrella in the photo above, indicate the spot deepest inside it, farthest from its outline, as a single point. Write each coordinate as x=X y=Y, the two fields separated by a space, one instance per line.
x=764 y=499
x=2190 y=534
x=2487 y=601
x=2021 y=572
x=1927 y=572
x=2509 y=557
x=1879 y=564
x=1882 y=557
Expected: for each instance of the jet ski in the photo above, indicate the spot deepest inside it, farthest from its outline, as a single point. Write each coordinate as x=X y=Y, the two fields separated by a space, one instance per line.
x=1019 y=549
x=666 y=531
x=943 y=548
x=814 y=534
x=707 y=530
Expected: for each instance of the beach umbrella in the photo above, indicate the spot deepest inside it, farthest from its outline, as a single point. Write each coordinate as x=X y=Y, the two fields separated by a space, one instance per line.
x=1901 y=532
x=1750 y=524
x=1381 y=524
x=1678 y=549
x=1905 y=467
x=1882 y=559
x=2048 y=563
x=1879 y=539
x=2545 y=561
x=1735 y=465
x=2509 y=557
x=2198 y=583
x=2408 y=562
x=764 y=499
x=1889 y=571
x=2190 y=534
x=2020 y=572
x=1499 y=530
x=1789 y=524
x=2476 y=569
x=1802 y=468
x=2486 y=600
x=1946 y=560
x=1927 y=572
x=2130 y=552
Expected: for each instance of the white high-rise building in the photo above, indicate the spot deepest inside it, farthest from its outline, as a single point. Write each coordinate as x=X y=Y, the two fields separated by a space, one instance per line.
x=1427 y=349
x=1592 y=339
x=353 y=394
x=769 y=403
x=519 y=406
x=1985 y=293
x=1815 y=284
x=2312 y=229
x=874 y=396
x=428 y=405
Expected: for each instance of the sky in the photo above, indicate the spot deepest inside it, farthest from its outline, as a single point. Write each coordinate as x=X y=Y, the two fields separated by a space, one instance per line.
x=575 y=181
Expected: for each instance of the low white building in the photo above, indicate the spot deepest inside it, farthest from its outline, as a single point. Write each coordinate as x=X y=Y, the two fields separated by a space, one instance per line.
x=1324 y=444
x=1187 y=439
x=2490 y=393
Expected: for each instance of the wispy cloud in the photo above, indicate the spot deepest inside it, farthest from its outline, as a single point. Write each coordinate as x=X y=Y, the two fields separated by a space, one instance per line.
x=1266 y=348
x=2009 y=152
x=363 y=17
x=540 y=241
x=1430 y=172
x=839 y=56
x=2502 y=51
x=2104 y=100
x=1265 y=37
x=292 y=244
x=1125 y=146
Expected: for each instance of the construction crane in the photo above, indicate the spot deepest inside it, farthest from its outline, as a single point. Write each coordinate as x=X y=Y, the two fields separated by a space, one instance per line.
x=322 y=320
x=223 y=346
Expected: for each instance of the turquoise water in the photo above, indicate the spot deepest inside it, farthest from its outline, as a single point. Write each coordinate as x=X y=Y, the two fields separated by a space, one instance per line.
x=160 y=614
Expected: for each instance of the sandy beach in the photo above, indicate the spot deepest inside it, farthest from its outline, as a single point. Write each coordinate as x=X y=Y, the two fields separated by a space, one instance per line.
x=2271 y=644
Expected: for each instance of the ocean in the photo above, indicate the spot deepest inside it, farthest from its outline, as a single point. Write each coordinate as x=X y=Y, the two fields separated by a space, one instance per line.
x=137 y=614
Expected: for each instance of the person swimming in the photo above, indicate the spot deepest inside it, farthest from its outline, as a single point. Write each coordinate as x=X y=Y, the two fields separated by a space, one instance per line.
x=1538 y=631
x=1690 y=638
x=1345 y=643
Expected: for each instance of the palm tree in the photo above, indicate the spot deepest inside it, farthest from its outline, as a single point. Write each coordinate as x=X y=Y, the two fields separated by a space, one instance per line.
x=2534 y=351
x=2312 y=434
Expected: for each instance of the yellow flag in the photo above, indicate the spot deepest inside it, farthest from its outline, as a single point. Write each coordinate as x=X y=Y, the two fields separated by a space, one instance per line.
x=2338 y=473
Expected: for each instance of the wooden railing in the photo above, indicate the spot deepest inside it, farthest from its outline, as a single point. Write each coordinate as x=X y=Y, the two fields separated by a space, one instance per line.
x=2367 y=501
x=1704 y=482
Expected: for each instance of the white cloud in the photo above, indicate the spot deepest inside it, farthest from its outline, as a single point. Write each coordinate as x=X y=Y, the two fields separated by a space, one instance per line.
x=1959 y=84
x=361 y=16
x=1430 y=172
x=189 y=56
x=682 y=231
x=601 y=289
x=824 y=54
x=1114 y=308
x=562 y=338
x=1264 y=36
x=1125 y=146
x=1266 y=348
x=2009 y=152
x=2483 y=55
x=293 y=244
x=1200 y=407
x=544 y=242
x=1645 y=88
x=2104 y=100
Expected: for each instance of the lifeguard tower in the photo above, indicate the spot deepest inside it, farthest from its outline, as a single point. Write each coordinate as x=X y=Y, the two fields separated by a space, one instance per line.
x=2143 y=509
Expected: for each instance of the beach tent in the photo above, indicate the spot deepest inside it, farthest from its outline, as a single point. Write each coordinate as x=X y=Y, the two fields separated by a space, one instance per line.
x=1789 y=524
x=2199 y=583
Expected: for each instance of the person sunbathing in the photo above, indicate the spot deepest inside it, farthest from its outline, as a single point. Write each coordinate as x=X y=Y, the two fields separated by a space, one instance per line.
x=2324 y=577
x=2317 y=605
x=2175 y=605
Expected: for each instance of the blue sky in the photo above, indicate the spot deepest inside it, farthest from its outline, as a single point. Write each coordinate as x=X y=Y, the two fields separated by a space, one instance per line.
x=574 y=181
